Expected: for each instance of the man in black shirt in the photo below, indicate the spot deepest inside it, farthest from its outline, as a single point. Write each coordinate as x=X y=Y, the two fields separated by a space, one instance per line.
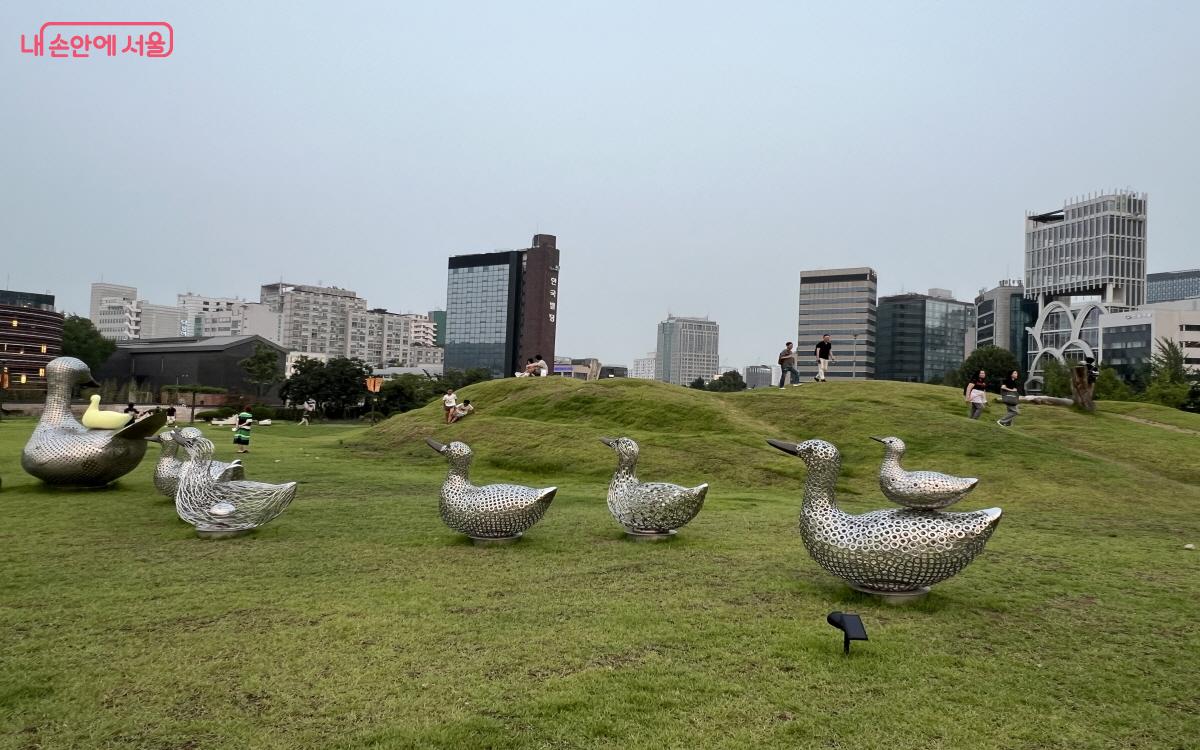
x=824 y=353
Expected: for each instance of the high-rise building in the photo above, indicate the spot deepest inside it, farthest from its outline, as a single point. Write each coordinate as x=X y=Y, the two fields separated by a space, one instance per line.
x=315 y=319
x=840 y=302
x=31 y=334
x=118 y=314
x=759 y=376
x=1171 y=286
x=439 y=321
x=1002 y=315
x=502 y=308
x=687 y=349
x=1082 y=261
x=921 y=336
x=102 y=291
x=643 y=367
x=239 y=319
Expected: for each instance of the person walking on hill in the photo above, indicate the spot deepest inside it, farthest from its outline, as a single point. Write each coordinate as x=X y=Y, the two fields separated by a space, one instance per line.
x=976 y=394
x=824 y=353
x=1010 y=394
x=449 y=401
x=787 y=364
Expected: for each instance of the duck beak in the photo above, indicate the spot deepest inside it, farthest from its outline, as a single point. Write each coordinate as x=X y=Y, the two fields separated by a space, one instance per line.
x=154 y=439
x=792 y=448
x=878 y=439
x=610 y=442
x=435 y=445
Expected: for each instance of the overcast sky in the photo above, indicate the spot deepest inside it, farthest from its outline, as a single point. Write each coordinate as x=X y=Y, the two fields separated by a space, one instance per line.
x=692 y=157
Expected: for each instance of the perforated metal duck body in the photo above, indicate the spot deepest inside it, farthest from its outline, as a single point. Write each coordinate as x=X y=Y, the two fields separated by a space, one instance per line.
x=64 y=453
x=918 y=489
x=884 y=551
x=648 y=507
x=170 y=463
x=493 y=511
x=212 y=506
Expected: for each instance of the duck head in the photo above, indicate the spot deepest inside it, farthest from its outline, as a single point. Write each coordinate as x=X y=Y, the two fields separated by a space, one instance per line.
x=810 y=451
x=69 y=372
x=626 y=448
x=192 y=440
x=895 y=446
x=459 y=454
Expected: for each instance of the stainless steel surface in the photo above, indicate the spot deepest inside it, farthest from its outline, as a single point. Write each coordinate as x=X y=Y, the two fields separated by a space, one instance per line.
x=170 y=462
x=211 y=505
x=63 y=452
x=885 y=551
x=648 y=508
x=490 y=512
x=926 y=490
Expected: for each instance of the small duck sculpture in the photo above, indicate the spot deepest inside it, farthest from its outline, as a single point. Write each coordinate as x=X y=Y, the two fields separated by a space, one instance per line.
x=218 y=508
x=95 y=419
x=64 y=453
x=648 y=509
x=491 y=513
x=888 y=552
x=927 y=490
x=170 y=462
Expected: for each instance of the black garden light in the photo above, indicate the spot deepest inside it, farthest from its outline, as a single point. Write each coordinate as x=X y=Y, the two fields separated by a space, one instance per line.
x=851 y=627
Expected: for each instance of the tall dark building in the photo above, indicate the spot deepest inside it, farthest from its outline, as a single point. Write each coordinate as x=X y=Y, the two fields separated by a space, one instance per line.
x=502 y=308
x=921 y=337
x=31 y=335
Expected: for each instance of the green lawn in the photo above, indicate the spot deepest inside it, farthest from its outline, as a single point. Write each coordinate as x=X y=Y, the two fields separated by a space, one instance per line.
x=357 y=619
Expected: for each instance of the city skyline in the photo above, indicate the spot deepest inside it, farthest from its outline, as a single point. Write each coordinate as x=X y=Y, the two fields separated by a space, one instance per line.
x=693 y=158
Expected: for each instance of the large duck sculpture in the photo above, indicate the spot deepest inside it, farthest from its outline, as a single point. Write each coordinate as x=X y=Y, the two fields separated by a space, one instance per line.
x=648 y=510
x=222 y=508
x=887 y=552
x=493 y=513
x=170 y=462
x=64 y=453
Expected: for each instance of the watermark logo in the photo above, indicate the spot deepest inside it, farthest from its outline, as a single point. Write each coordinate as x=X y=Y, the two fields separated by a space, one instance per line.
x=75 y=39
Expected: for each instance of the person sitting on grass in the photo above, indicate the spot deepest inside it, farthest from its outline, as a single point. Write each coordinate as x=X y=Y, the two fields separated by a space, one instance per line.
x=461 y=410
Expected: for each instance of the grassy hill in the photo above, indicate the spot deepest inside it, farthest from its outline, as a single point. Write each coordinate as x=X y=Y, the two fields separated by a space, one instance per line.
x=357 y=619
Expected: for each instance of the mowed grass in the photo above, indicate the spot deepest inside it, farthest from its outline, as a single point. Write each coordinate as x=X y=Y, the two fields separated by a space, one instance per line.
x=357 y=619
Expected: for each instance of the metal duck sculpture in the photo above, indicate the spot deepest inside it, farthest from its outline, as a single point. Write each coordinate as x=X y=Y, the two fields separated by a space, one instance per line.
x=170 y=462
x=887 y=552
x=219 y=509
x=927 y=490
x=64 y=453
x=493 y=513
x=648 y=510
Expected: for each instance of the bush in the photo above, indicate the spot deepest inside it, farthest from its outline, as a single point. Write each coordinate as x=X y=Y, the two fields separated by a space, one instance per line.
x=220 y=413
x=262 y=411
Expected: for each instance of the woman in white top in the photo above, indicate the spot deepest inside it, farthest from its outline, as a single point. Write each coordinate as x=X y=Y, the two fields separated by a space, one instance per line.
x=449 y=401
x=976 y=394
x=543 y=369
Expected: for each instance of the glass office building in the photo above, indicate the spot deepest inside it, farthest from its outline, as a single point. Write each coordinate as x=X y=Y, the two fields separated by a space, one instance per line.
x=921 y=337
x=502 y=308
x=839 y=302
x=1172 y=286
x=1002 y=316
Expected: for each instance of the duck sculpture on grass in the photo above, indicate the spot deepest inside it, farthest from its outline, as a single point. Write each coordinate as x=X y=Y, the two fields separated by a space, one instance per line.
x=170 y=462
x=648 y=510
x=65 y=453
x=222 y=508
x=927 y=490
x=899 y=552
x=493 y=513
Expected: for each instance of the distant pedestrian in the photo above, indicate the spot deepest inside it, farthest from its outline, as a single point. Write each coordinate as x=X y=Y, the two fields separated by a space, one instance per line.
x=1010 y=394
x=449 y=401
x=309 y=407
x=976 y=394
x=241 y=432
x=1093 y=371
x=787 y=364
x=824 y=353
x=170 y=416
x=543 y=369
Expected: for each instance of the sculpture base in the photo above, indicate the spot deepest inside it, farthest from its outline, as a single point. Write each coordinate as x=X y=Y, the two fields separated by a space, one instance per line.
x=221 y=533
x=893 y=597
x=493 y=541
x=641 y=535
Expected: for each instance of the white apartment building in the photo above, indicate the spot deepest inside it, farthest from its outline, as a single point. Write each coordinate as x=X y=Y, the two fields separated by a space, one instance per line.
x=315 y=319
x=118 y=314
x=687 y=349
x=643 y=367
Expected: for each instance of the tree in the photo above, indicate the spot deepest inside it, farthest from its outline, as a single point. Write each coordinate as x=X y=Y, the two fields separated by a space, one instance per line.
x=1110 y=386
x=307 y=381
x=345 y=384
x=728 y=382
x=408 y=391
x=462 y=378
x=264 y=368
x=1056 y=379
x=997 y=362
x=698 y=384
x=82 y=341
x=1167 y=365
